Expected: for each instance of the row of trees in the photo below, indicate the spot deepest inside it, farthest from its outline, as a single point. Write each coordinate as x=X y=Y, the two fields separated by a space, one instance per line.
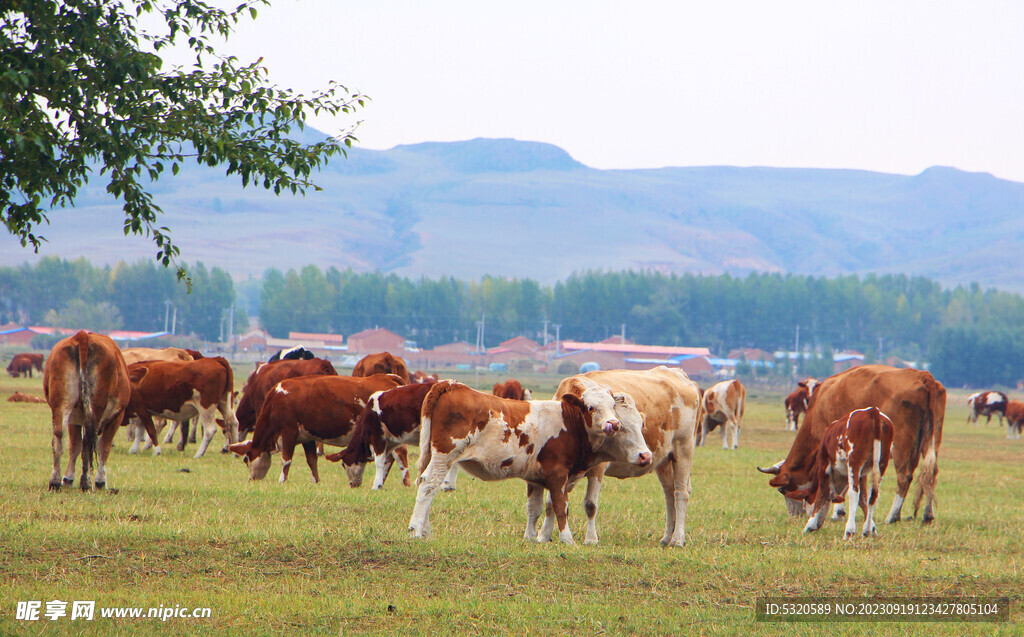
x=967 y=335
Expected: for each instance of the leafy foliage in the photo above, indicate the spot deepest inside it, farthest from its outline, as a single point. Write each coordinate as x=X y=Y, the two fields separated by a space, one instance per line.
x=82 y=84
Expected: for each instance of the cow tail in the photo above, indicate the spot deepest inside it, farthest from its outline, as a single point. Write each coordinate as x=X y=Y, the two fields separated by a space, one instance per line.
x=81 y=339
x=426 y=411
x=929 y=440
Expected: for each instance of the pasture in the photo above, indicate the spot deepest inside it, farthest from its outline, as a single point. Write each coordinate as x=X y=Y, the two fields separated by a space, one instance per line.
x=299 y=558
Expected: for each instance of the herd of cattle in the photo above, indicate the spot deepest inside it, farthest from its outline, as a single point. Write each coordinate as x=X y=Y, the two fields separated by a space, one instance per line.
x=616 y=423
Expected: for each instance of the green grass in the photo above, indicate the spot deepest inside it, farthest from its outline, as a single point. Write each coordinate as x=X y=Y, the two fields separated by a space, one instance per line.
x=300 y=558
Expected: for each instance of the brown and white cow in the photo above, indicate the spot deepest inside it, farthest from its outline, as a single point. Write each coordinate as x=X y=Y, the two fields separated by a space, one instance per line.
x=513 y=389
x=181 y=390
x=669 y=402
x=382 y=363
x=421 y=376
x=1014 y=419
x=86 y=385
x=913 y=400
x=23 y=364
x=986 y=403
x=134 y=355
x=307 y=410
x=723 y=405
x=852 y=449
x=548 y=443
x=390 y=421
x=265 y=378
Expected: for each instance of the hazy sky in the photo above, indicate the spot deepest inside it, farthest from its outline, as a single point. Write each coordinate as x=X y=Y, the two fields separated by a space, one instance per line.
x=888 y=86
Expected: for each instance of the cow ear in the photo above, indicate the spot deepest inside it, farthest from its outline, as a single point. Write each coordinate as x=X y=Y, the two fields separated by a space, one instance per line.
x=136 y=374
x=799 y=494
x=622 y=398
x=574 y=401
x=240 y=448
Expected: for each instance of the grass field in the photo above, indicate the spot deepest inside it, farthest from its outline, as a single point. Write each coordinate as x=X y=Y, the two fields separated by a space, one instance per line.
x=299 y=558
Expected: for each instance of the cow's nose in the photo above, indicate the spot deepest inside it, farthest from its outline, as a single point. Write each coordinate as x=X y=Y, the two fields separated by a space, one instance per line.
x=611 y=427
x=644 y=458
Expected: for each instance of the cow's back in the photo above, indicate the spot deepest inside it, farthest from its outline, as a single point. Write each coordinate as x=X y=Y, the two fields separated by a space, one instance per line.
x=263 y=379
x=382 y=363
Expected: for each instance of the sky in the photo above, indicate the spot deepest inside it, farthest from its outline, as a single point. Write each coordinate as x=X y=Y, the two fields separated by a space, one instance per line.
x=886 y=86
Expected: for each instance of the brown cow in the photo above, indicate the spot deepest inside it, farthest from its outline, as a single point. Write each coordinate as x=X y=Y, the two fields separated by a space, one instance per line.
x=852 y=449
x=1014 y=418
x=86 y=385
x=183 y=390
x=389 y=422
x=23 y=364
x=670 y=403
x=265 y=378
x=548 y=443
x=134 y=355
x=307 y=410
x=913 y=400
x=382 y=363
x=511 y=388
x=18 y=397
x=723 y=404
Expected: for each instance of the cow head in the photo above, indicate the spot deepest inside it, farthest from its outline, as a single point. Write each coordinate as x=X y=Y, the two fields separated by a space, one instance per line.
x=615 y=425
x=258 y=463
x=354 y=467
x=790 y=478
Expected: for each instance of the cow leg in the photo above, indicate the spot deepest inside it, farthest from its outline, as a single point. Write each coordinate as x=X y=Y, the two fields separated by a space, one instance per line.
x=872 y=497
x=75 y=433
x=735 y=434
x=595 y=479
x=853 y=496
x=560 y=502
x=401 y=455
x=311 y=459
x=104 y=444
x=702 y=432
x=439 y=466
x=450 y=479
x=668 y=486
x=60 y=425
x=172 y=430
x=184 y=433
x=287 y=442
x=725 y=427
x=192 y=434
x=319 y=448
x=817 y=516
x=903 y=479
x=1009 y=431
x=534 y=505
x=382 y=467
x=135 y=425
x=209 y=423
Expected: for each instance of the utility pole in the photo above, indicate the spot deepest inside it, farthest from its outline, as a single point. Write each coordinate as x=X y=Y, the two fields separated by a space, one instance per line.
x=546 y=331
x=623 y=335
x=231 y=324
x=167 y=312
x=558 y=340
x=174 y=321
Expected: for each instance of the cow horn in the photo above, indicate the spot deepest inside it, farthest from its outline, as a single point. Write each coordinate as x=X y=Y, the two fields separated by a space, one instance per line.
x=774 y=469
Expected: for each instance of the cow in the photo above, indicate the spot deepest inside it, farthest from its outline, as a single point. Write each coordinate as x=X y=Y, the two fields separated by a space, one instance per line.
x=86 y=385
x=296 y=353
x=986 y=403
x=382 y=363
x=145 y=354
x=422 y=377
x=796 y=402
x=511 y=388
x=390 y=421
x=670 y=403
x=1014 y=419
x=723 y=405
x=915 y=403
x=23 y=364
x=18 y=397
x=181 y=390
x=548 y=443
x=852 y=449
x=307 y=410
x=265 y=378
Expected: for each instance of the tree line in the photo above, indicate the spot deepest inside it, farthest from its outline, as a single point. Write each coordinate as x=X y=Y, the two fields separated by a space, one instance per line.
x=967 y=335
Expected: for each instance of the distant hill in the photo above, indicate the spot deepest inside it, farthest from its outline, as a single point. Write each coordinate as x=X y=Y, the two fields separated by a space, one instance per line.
x=527 y=209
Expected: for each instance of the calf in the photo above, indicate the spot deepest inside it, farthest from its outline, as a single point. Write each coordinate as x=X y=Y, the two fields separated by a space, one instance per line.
x=23 y=364
x=511 y=389
x=986 y=403
x=549 y=443
x=382 y=363
x=723 y=405
x=307 y=410
x=390 y=421
x=18 y=397
x=183 y=390
x=852 y=449
x=86 y=385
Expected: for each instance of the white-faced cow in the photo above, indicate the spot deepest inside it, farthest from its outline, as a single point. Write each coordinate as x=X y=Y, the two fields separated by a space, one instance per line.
x=912 y=399
x=986 y=403
x=669 y=402
x=723 y=405
x=389 y=422
x=307 y=410
x=548 y=443
x=853 y=449
x=86 y=385
x=183 y=390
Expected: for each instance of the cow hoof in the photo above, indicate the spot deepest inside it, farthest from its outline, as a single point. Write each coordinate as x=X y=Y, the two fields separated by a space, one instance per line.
x=85 y=486
x=447 y=487
x=54 y=486
x=928 y=519
x=224 y=449
x=590 y=541
x=848 y=535
x=180 y=447
x=69 y=481
x=100 y=485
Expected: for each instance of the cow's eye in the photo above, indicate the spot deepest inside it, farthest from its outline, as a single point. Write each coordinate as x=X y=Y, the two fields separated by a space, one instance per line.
x=590 y=408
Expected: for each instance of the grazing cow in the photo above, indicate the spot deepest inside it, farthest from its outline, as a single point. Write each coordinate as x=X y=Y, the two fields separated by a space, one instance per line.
x=86 y=385
x=23 y=364
x=265 y=378
x=852 y=449
x=511 y=389
x=913 y=400
x=181 y=390
x=134 y=355
x=297 y=353
x=382 y=363
x=670 y=403
x=307 y=410
x=548 y=443
x=1014 y=419
x=390 y=421
x=723 y=405
x=422 y=377
x=18 y=397
x=986 y=403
